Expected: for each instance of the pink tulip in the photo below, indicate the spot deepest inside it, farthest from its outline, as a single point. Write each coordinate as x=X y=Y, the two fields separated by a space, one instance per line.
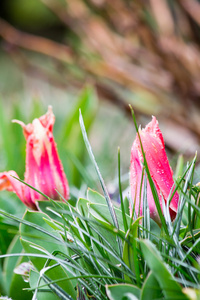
x=44 y=170
x=160 y=171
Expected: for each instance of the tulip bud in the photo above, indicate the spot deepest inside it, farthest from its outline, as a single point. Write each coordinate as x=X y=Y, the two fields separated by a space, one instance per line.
x=159 y=168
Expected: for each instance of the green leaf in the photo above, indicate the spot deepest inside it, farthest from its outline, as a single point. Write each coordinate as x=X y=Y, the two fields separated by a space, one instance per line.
x=18 y=285
x=126 y=206
x=43 y=292
x=14 y=283
x=123 y=292
x=47 y=238
x=170 y=288
x=50 y=241
x=2 y=282
x=55 y=210
x=101 y=212
x=151 y=289
x=95 y=197
x=82 y=207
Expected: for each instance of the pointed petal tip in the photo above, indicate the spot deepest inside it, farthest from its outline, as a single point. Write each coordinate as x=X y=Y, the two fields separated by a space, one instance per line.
x=7 y=181
x=50 y=108
x=19 y=122
x=49 y=113
x=153 y=122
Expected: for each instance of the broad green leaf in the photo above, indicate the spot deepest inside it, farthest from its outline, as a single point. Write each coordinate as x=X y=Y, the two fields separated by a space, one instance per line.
x=126 y=206
x=14 y=283
x=18 y=285
x=53 y=224
x=151 y=289
x=101 y=212
x=59 y=207
x=82 y=207
x=43 y=292
x=45 y=239
x=155 y=231
x=2 y=282
x=57 y=273
x=123 y=292
x=47 y=207
x=95 y=197
x=170 y=288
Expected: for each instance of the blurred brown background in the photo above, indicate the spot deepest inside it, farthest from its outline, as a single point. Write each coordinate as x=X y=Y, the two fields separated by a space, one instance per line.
x=146 y=53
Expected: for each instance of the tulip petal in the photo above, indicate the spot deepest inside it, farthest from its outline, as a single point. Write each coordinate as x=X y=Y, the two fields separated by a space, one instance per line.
x=59 y=175
x=9 y=183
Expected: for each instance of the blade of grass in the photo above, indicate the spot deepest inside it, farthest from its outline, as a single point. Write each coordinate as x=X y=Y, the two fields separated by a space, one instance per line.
x=146 y=214
x=182 y=200
x=70 y=265
x=106 y=244
x=120 y=193
x=106 y=195
x=54 y=287
x=19 y=220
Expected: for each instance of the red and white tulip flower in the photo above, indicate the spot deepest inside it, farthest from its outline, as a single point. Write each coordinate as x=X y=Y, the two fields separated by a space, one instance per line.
x=44 y=170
